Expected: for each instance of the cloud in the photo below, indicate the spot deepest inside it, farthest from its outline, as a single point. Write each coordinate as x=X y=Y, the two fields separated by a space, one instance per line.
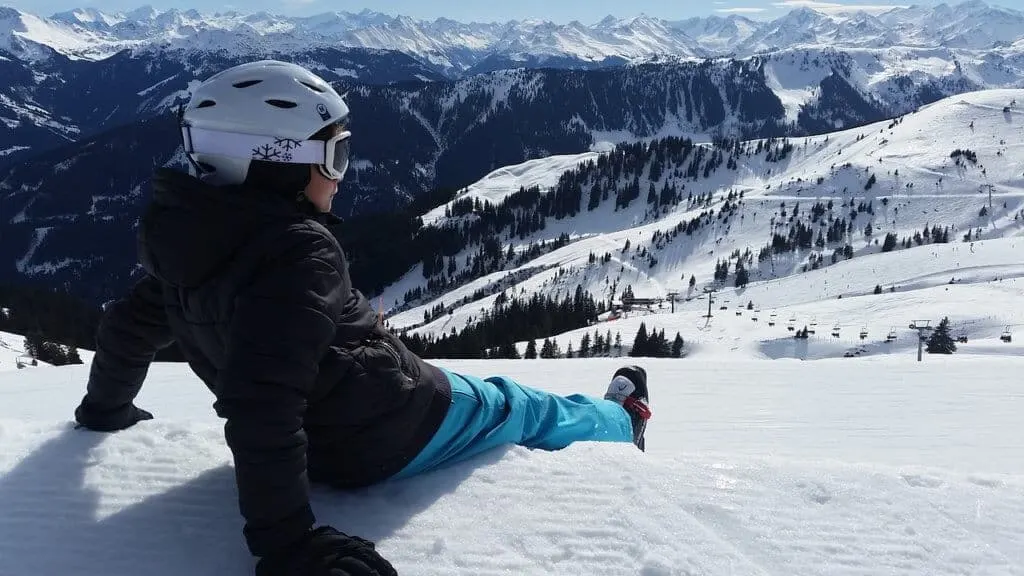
x=741 y=10
x=835 y=8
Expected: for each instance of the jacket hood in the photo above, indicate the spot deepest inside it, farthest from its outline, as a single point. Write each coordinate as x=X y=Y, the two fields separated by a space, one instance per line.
x=191 y=229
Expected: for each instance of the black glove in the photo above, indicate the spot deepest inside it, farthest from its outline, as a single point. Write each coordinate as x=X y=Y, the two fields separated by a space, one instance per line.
x=327 y=552
x=109 y=420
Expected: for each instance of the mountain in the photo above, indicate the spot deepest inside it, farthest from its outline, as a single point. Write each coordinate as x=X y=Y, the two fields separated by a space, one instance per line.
x=50 y=102
x=895 y=204
x=424 y=136
x=456 y=48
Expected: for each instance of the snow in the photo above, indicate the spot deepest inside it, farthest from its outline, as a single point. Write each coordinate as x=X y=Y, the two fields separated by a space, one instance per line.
x=12 y=149
x=766 y=454
x=970 y=28
x=929 y=189
x=867 y=466
x=496 y=186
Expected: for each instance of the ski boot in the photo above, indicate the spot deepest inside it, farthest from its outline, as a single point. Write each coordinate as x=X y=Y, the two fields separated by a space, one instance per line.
x=629 y=388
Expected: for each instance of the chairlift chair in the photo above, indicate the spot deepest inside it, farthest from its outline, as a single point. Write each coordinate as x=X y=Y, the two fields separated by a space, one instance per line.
x=835 y=331
x=891 y=336
x=863 y=332
x=1006 y=335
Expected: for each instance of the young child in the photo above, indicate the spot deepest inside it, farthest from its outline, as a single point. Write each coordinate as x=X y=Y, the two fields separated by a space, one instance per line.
x=242 y=273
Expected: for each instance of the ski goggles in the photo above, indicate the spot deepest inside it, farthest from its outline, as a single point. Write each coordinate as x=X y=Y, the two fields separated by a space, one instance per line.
x=331 y=157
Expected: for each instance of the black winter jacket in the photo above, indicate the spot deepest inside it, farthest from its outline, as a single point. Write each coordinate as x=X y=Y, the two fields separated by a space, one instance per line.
x=255 y=290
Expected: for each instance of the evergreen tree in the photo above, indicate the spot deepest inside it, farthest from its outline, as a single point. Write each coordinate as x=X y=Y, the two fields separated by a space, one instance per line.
x=531 y=350
x=741 y=275
x=663 y=349
x=890 y=242
x=568 y=351
x=618 y=344
x=878 y=288
x=585 y=346
x=640 y=342
x=73 y=357
x=940 y=342
x=547 y=350
x=677 y=346
x=607 y=348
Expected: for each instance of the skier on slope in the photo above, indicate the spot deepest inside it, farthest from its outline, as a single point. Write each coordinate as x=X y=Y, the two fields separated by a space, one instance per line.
x=242 y=273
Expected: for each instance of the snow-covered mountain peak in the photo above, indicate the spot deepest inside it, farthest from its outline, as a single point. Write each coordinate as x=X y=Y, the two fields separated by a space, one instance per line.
x=89 y=18
x=145 y=12
x=458 y=47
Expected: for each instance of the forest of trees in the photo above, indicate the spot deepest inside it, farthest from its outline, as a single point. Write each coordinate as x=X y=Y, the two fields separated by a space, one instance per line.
x=511 y=320
x=654 y=344
x=484 y=227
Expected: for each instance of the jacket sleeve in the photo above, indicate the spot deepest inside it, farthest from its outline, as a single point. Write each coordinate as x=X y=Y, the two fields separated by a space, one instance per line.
x=131 y=332
x=282 y=325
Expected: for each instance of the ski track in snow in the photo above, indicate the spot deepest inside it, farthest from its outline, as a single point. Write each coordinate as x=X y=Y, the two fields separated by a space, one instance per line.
x=754 y=467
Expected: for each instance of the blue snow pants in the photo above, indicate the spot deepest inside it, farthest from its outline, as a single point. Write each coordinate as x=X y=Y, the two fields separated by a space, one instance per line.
x=487 y=413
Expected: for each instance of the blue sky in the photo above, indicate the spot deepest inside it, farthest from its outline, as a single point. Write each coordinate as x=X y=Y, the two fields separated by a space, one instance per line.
x=586 y=11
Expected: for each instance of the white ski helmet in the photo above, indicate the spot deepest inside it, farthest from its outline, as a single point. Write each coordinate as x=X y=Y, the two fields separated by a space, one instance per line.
x=265 y=110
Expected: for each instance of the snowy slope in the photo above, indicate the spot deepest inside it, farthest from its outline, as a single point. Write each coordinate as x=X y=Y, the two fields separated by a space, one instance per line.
x=12 y=349
x=910 y=160
x=12 y=353
x=753 y=467
x=498 y=185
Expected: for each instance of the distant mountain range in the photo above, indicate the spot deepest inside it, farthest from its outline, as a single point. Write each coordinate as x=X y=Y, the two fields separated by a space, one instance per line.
x=457 y=48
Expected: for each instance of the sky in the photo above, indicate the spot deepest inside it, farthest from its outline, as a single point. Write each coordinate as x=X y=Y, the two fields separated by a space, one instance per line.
x=561 y=11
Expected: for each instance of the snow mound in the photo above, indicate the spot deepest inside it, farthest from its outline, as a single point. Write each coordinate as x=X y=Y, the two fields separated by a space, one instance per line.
x=753 y=468
x=165 y=496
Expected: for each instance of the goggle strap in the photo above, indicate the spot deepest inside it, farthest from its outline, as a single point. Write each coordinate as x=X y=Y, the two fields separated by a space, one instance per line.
x=253 y=147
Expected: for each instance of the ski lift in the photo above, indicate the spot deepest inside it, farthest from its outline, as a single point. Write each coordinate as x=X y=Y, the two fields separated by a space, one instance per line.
x=1006 y=336
x=771 y=319
x=739 y=312
x=813 y=328
x=892 y=335
x=863 y=332
x=790 y=326
x=835 y=331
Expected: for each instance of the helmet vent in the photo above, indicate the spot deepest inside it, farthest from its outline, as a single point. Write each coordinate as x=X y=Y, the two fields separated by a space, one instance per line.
x=206 y=104
x=282 y=103
x=246 y=83
x=312 y=87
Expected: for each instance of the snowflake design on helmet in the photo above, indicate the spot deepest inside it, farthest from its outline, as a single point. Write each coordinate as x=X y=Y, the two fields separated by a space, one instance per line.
x=267 y=152
x=279 y=151
x=287 y=143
